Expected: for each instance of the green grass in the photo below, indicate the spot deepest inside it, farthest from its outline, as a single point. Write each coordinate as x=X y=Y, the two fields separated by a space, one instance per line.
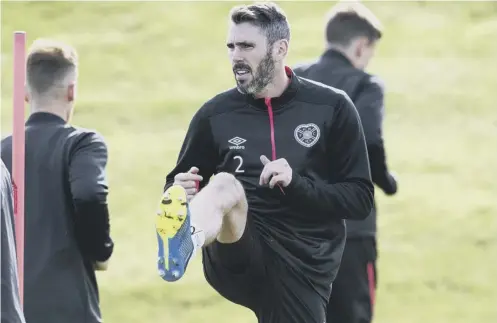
x=145 y=69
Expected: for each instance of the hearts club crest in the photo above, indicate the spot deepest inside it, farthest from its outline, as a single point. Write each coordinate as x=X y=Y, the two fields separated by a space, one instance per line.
x=307 y=134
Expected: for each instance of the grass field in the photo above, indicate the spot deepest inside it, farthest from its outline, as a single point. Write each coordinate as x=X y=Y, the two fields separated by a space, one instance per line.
x=146 y=68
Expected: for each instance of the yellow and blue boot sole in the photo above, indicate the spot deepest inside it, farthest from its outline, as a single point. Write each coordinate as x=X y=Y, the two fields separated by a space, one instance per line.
x=173 y=234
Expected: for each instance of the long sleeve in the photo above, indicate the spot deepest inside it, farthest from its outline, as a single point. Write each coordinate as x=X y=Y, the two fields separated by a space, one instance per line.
x=11 y=309
x=87 y=177
x=349 y=192
x=198 y=150
x=370 y=105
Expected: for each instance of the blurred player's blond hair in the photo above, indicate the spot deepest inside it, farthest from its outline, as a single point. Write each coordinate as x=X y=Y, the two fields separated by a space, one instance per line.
x=50 y=66
x=347 y=19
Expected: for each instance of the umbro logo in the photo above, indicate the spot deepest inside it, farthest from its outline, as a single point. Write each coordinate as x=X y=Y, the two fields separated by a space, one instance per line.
x=237 y=143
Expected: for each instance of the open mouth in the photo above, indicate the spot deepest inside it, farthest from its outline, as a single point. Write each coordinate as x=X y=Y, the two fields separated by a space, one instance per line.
x=241 y=70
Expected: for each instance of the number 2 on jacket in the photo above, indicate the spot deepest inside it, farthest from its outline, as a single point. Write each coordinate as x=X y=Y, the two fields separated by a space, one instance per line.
x=240 y=164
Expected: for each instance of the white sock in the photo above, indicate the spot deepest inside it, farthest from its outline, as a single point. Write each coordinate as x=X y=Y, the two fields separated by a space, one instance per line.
x=198 y=239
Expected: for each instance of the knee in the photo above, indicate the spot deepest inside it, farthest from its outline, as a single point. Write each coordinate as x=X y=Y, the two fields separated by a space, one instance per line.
x=227 y=182
x=223 y=178
x=230 y=190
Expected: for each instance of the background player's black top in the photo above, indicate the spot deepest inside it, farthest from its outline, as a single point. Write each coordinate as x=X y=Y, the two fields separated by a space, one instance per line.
x=366 y=91
x=10 y=299
x=66 y=219
x=317 y=130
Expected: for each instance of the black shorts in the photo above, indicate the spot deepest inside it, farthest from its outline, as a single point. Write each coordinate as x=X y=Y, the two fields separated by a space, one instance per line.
x=352 y=296
x=249 y=273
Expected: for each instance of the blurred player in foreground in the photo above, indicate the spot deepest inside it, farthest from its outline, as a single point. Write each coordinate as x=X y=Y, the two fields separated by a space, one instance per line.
x=66 y=216
x=271 y=229
x=352 y=33
x=11 y=304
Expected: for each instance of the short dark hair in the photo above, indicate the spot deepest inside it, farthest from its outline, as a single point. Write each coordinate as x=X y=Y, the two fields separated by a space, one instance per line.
x=267 y=16
x=350 y=20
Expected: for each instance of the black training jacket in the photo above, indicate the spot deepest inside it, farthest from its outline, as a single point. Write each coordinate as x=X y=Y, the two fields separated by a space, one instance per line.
x=367 y=93
x=66 y=219
x=317 y=130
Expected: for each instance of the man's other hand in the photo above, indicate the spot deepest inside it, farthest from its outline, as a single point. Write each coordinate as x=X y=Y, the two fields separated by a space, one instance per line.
x=276 y=172
x=189 y=181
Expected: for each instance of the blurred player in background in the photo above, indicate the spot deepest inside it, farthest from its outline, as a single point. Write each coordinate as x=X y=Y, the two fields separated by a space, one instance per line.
x=66 y=216
x=11 y=304
x=352 y=33
x=271 y=229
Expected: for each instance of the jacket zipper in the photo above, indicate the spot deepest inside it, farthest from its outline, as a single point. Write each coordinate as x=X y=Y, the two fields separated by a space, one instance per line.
x=271 y=125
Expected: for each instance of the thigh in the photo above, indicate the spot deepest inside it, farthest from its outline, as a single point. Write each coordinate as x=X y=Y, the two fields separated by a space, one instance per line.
x=236 y=270
x=352 y=295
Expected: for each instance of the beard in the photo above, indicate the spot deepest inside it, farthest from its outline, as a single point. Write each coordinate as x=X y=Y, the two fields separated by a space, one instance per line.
x=260 y=79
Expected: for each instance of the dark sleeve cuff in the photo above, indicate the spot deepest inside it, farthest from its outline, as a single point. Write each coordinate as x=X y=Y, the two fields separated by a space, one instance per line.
x=391 y=188
x=295 y=184
x=379 y=169
x=92 y=231
x=297 y=188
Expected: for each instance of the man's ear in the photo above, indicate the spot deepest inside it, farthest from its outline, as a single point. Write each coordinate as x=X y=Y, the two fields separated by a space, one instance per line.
x=360 y=45
x=281 y=49
x=26 y=94
x=71 y=92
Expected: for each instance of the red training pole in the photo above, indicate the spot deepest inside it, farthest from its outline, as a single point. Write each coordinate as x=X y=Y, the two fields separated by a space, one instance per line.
x=18 y=148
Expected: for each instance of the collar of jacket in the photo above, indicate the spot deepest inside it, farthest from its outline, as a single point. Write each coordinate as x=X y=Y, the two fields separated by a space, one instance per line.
x=44 y=118
x=283 y=99
x=336 y=55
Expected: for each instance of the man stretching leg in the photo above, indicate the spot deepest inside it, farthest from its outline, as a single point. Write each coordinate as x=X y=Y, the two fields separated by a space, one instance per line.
x=271 y=229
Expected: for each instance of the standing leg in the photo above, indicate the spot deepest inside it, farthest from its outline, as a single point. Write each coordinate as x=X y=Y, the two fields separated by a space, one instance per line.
x=352 y=295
